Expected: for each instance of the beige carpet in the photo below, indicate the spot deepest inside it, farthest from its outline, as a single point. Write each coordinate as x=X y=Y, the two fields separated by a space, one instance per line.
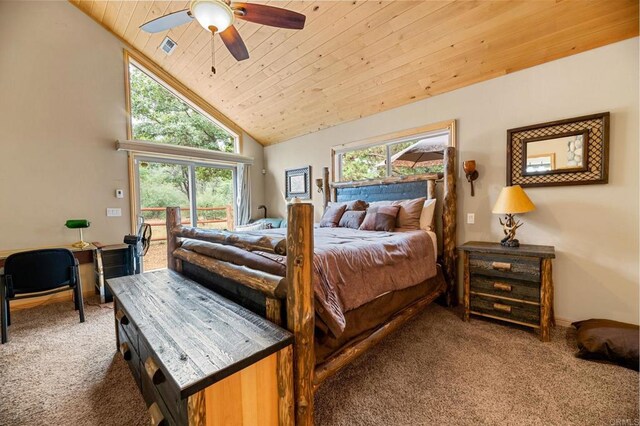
x=436 y=370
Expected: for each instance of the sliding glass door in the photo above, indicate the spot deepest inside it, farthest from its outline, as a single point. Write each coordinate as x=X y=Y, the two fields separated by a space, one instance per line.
x=204 y=193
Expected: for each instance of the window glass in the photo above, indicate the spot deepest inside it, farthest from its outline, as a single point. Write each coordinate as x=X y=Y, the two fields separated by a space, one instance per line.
x=158 y=115
x=368 y=163
x=424 y=154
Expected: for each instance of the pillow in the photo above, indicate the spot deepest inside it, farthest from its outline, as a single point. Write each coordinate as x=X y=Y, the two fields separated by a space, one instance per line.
x=427 y=214
x=257 y=226
x=380 y=218
x=409 y=213
x=352 y=219
x=355 y=205
x=332 y=215
x=608 y=340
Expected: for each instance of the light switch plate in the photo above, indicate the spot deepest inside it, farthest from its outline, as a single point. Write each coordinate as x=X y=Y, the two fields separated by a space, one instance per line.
x=113 y=212
x=471 y=218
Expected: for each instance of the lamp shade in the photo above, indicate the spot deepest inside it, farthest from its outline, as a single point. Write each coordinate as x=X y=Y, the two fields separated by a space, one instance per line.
x=212 y=13
x=513 y=200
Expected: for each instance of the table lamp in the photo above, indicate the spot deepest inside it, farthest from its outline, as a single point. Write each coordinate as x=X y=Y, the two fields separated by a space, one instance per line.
x=78 y=224
x=512 y=200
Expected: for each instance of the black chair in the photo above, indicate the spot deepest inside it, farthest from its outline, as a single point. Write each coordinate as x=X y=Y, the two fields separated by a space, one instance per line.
x=38 y=273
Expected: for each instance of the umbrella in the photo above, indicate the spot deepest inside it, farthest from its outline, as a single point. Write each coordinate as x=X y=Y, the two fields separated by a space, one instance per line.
x=423 y=153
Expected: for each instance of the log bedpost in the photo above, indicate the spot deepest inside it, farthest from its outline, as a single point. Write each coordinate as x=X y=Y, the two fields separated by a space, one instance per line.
x=300 y=310
x=326 y=188
x=173 y=219
x=449 y=212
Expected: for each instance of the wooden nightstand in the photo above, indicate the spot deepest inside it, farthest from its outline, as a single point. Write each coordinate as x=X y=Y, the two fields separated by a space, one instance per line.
x=509 y=284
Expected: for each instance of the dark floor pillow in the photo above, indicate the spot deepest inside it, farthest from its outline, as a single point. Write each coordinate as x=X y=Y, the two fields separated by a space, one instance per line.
x=608 y=340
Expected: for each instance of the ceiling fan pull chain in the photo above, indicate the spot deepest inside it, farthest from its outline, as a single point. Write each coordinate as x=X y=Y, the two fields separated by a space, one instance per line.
x=213 y=54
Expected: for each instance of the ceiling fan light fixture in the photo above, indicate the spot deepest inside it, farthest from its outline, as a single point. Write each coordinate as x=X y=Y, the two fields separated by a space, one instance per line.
x=212 y=13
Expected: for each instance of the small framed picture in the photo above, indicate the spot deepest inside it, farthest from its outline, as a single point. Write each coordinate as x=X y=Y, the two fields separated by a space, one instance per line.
x=298 y=183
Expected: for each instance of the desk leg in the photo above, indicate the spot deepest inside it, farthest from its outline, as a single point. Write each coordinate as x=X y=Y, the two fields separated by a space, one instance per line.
x=3 y=312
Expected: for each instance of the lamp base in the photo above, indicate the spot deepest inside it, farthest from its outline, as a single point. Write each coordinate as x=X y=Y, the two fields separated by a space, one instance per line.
x=510 y=243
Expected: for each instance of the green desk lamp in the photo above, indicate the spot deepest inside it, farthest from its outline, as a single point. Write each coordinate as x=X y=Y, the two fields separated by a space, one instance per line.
x=78 y=224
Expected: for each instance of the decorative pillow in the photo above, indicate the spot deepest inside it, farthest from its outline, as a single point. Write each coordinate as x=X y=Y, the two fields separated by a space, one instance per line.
x=352 y=219
x=355 y=205
x=427 y=214
x=409 y=213
x=380 y=218
x=332 y=215
x=608 y=340
x=256 y=226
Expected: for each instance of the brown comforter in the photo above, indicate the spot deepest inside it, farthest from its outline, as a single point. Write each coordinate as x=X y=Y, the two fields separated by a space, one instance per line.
x=352 y=267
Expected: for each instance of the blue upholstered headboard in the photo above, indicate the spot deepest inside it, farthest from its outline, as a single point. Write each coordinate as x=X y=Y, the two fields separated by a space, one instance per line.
x=383 y=192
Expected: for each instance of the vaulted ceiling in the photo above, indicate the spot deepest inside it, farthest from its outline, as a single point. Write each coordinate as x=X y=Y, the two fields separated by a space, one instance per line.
x=356 y=58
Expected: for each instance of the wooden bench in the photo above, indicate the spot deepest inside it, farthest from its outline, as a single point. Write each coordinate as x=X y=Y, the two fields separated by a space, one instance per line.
x=198 y=358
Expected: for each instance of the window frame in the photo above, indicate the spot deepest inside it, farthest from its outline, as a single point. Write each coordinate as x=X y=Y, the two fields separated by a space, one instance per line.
x=388 y=140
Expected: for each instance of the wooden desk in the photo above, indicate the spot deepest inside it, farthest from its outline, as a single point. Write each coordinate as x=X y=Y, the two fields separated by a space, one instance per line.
x=198 y=358
x=84 y=255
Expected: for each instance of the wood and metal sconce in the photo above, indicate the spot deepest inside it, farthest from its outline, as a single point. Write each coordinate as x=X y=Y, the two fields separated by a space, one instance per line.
x=471 y=173
x=320 y=184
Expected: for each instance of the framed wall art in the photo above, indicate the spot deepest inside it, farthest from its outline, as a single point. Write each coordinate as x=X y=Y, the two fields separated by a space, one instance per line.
x=298 y=183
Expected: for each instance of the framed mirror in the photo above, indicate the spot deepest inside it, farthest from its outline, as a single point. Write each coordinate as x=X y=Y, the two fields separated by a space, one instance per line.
x=565 y=152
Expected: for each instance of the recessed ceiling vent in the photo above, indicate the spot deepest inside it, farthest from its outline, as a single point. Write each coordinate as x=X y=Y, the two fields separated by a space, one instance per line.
x=168 y=45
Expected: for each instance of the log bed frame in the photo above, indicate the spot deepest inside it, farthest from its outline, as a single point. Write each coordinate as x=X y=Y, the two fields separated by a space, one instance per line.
x=289 y=301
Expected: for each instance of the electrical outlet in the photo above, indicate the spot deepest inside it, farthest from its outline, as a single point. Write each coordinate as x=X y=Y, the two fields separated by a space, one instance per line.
x=471 y=218
x=114 y=212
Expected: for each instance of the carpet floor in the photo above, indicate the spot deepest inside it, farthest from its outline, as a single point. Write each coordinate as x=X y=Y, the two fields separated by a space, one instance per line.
x=435 y=370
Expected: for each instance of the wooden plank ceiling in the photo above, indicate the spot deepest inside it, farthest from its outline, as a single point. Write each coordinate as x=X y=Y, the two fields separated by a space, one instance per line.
x=357 y=58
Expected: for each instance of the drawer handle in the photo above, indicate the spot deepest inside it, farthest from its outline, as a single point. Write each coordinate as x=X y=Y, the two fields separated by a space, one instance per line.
x=501 y=307
x=125 y=351
x=157 y=418
x=153 y=371
x=501 y=266
x=501 y=286
x=122 y=317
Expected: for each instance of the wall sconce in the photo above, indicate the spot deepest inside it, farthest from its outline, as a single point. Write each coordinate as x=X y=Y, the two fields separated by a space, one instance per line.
x=471 y=173
x=319 y=184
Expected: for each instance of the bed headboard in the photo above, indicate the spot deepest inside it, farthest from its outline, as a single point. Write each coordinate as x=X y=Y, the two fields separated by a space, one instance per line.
x=408 y=187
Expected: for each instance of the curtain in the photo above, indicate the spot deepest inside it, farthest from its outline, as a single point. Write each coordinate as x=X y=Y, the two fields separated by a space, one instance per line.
x=243 y=201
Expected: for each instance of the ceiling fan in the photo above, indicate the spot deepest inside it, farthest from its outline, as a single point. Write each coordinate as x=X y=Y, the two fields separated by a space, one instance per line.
x=218 y=16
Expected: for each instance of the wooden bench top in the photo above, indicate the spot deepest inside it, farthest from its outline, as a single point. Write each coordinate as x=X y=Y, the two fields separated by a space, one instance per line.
x=197 y=335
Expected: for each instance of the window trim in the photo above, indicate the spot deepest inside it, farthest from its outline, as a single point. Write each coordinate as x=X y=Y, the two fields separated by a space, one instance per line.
x=448 y=126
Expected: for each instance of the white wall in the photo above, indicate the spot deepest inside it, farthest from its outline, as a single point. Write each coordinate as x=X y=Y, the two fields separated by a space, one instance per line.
x=594 y=228
x=61 y=109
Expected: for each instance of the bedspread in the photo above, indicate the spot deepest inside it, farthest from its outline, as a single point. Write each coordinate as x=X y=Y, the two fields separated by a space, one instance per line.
x=353 y=267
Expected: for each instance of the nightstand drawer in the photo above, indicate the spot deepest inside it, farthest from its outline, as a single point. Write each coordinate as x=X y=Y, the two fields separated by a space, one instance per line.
x=515 y=267
x=510 y=310
x=506 y=287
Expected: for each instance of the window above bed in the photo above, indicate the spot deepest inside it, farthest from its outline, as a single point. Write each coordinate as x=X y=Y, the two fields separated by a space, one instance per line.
x=411 y=152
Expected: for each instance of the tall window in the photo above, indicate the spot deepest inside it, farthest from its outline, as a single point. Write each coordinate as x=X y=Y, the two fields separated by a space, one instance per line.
x=417 y=154
x=203 y=189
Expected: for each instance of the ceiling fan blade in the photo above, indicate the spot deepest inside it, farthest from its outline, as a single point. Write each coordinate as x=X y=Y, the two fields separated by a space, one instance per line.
x=269 y=15
x=233 y=41
x=166 y=22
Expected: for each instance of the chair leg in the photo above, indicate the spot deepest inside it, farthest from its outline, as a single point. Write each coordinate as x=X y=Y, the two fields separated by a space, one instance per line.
x=3 y=314
x=80 y=301
x=8 y=313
